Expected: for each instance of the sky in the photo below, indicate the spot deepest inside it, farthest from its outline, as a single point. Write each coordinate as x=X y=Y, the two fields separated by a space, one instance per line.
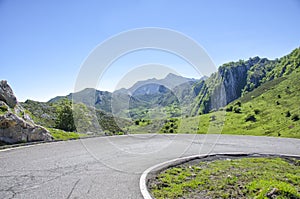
x=43 y=44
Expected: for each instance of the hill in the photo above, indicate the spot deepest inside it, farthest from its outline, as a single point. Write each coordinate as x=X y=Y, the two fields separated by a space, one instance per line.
x=272 y=109
x=259 y=97
x=87 y=120
x=234 y=79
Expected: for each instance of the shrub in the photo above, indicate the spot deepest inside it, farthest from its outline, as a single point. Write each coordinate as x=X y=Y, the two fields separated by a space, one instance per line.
x=238 y=103
x=65 y=120
x=277 y=103
x=250 y=118
x=295 y=117
x=3 y=108
x=229 y=109
x=256 y=111
x=237 y=109
x=137 y=122
x=279 y=96
x=212 y=118
x=288 y=114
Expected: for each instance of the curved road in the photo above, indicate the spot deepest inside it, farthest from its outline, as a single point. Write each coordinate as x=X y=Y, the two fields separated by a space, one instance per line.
x=110 y=167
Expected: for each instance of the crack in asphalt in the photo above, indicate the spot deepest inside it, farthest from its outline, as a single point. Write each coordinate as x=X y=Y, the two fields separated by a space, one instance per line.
x=23 y=185
x=73 y=188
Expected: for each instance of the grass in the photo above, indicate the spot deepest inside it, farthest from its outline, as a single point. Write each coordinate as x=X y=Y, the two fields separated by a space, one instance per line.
x=238 y=178
x=3 y=109
x=63 y=135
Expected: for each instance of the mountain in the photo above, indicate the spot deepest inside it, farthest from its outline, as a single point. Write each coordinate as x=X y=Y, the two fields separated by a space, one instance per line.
x=271 y=109
x=152 y=86
x=89 y=97
x=234 y=79
x=148 y=94
x=189 y=96
x=259 y=95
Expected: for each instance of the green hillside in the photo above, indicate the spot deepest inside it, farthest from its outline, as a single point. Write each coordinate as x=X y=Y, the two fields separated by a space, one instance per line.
x=263 y=95
x=78 y=117
x=272 y=109
x=235 y=79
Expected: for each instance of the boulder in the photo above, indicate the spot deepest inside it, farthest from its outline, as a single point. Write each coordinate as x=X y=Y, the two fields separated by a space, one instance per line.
x=7 y=95
x=14 y=129
x=15 y=125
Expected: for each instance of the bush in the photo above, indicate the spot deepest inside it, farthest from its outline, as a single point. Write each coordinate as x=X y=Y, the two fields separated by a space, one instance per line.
x=256 y=111
x=288 y=114
x=65 y=120
x=250 y=118
x=212 y=118
x=295 y=117
x=3 y=108
x=238 y=103
x=229 y=109
x=237 y=109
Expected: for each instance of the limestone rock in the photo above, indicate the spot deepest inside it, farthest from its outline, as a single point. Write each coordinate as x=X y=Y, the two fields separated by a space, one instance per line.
x=7 y=95
x=14 y=129
x=15 y=125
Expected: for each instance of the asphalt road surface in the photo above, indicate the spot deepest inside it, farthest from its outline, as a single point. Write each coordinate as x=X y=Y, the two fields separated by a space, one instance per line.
x=110 y=167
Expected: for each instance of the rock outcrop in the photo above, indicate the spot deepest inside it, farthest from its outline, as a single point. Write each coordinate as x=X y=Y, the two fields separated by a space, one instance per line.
x=15 y=125
x=234 y=79
x=7 y=95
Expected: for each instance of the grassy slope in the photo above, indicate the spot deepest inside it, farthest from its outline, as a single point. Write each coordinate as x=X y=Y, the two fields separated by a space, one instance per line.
x=272 y=100
x=63 y=135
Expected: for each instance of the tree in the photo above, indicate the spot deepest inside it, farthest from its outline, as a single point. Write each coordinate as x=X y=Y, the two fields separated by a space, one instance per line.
x=65 y=120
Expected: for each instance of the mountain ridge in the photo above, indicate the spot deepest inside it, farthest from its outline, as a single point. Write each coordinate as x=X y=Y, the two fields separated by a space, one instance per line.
x=230 y=88
x=231 y=81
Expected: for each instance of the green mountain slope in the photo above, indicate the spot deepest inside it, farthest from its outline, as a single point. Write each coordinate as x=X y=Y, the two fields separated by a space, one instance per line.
x=273 y=109
x=235 y=79
x=259 y=97
x=86 y=119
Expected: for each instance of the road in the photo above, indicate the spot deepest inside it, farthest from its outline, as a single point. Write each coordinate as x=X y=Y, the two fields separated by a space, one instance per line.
x=110 y=167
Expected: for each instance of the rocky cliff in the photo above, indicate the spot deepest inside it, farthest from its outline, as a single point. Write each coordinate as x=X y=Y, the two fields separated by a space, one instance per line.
x=15 y=125
x=234 y=79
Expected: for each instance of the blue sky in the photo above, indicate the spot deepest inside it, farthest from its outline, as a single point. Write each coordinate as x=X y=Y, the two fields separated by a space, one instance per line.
x=44 y=43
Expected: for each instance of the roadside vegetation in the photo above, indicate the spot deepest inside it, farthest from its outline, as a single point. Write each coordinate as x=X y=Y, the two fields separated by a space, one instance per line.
x=230 y=178
x=64 y=135
x=66 y=121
